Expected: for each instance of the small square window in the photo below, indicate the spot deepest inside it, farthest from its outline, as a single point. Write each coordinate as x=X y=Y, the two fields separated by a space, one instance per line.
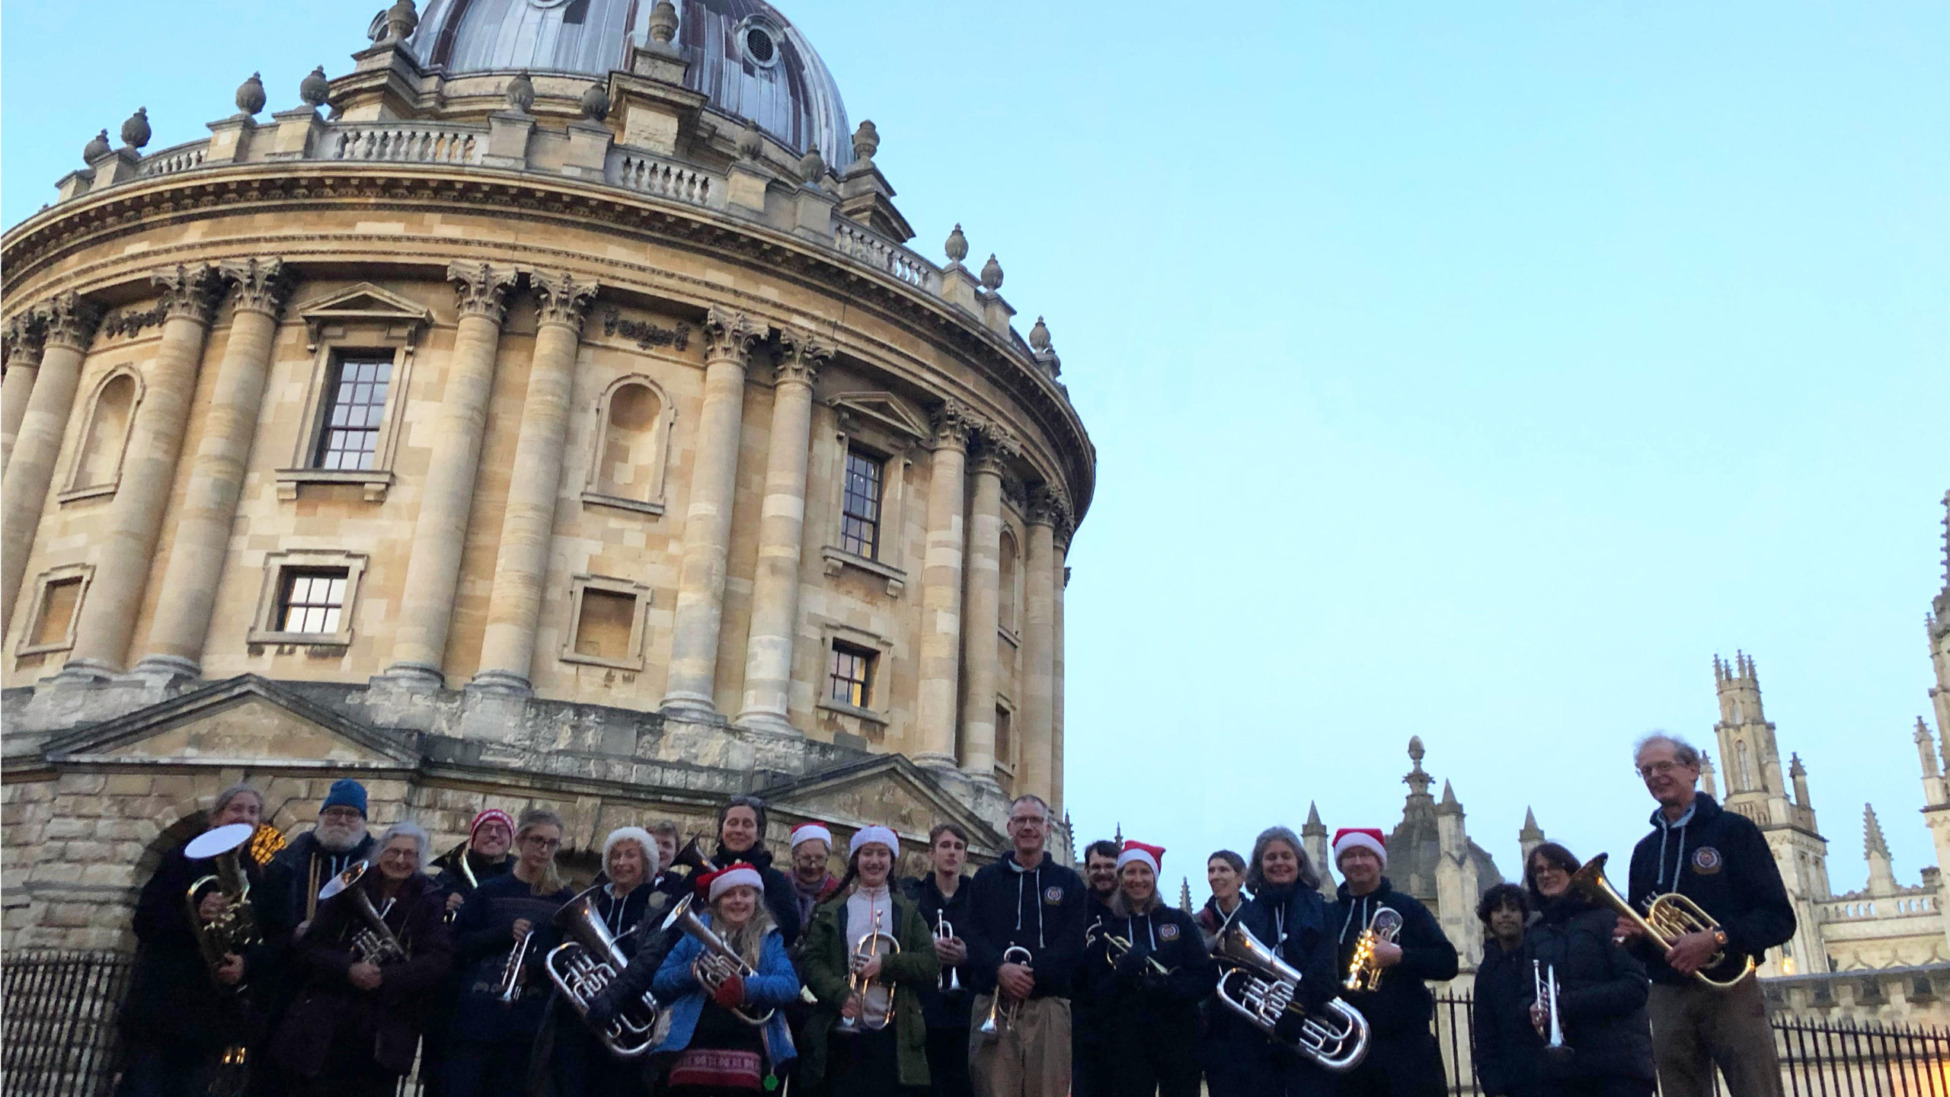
x=860 y=504
x=58 y=602
x=348 y=435
x=312 y=601
x=604 y=627
x=849 y=675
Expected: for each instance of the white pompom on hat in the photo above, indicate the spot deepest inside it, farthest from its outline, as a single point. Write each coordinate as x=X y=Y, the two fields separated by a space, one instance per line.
x=651 y=854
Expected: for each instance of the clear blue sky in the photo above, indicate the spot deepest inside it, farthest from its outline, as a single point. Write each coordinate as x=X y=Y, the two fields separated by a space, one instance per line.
x=1475 y=371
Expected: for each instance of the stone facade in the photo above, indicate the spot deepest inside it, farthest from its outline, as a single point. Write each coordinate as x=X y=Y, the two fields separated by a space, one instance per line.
x=556 y=440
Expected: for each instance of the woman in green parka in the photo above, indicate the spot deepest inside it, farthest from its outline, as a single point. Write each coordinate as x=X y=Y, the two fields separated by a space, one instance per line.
x=843 y=1052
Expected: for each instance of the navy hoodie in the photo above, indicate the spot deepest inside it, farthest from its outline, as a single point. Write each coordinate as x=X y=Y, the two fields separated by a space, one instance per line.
x=1403 y=1000
x=1718 y=859
x=1293 y=921
x=1041 y=909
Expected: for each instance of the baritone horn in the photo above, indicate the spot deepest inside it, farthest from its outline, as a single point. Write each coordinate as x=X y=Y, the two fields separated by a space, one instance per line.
x=375 y=943
x=1003 y=1009
x=1260 y=987
x=1670 y=917
x=589 y=961
x=1363 y=973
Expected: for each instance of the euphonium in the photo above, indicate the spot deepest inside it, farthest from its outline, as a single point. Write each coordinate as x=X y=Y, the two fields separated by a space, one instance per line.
x=1670 y=917
x=1260 y=987
x=1362 y=971
x=375 y=944
x=872 y=1016
x=588 y=962
x=719 y=960
x=234 y=929
x=1002 y=1008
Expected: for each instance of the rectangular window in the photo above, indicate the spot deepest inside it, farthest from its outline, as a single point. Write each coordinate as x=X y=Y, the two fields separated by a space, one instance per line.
x=604 y=626
x=849 y=675
x=312 y=601
x=1003 y=735
x=58 y=601
x=860 y=507
x=349 y=435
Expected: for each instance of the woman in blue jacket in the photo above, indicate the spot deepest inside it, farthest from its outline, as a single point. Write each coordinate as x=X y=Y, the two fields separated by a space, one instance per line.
x=713 y=1047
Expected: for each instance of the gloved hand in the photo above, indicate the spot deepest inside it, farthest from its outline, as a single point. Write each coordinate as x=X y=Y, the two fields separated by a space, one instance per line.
x=602 y=1008
x=1152 y=982
x=1132 y=965
x=730 y=993
x=1287 y=1028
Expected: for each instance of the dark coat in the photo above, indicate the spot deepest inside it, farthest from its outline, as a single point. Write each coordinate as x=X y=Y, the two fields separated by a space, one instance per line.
x=649 y=943
x=483 y=942
x=780 y=899
x=330 y=1014
x=825 y=964
x=943 y=1010
x=1041 y=910
x=173 y=996
x=1600 y=998
x=1718 y=859
x=293 y=878
x=1403 y=1000
x=453 y=881
x=1294 y=921
x=1505 y=1042
x=1132 y=997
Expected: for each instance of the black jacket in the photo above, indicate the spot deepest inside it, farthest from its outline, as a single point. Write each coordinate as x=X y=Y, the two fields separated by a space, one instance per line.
x=943 y=1010
x=1041 y=910
x=1403 y=1001
x=1505 y=1044
x=293 y=878
x=1294 y=922
x=1718 y=859
x=483 y=943
x=1601 y=994
x=780 y=899
x=453 y=881
x=173 y=998
x=1128 y=993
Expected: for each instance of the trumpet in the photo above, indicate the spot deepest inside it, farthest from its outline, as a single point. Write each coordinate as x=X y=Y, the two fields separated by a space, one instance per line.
x=1116 y=947
x=234 y=929
x=1362 y=971
x=511 y=970
x=1002 y=1009
x=944 y=930
x=1260 y=987
x=587 y=963
x=873 y=1015
x=1670 y=917
x=719 y=960
x=1543 y=981
x=375 y=943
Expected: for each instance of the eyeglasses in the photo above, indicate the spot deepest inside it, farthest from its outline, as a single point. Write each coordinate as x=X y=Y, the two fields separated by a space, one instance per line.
x=1028 y=821
x=1659 y=768
x=340 y=815
x=540 y=842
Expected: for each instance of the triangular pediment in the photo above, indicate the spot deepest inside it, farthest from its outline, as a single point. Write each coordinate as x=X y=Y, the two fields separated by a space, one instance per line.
x=884 y=410
x=887 y=789
x=366 y=303
x=246 y=720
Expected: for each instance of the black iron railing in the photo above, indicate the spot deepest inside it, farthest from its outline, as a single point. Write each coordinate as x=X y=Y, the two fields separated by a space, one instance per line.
x=59 y=1033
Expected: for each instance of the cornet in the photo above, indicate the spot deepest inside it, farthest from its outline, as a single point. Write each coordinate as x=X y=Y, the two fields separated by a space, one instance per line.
x=944 y=930
x=1003 y=1009
x=873 y=1015
x=1543 y=981
x=1362 y=971
x=375 y=944
x=581 y=967
x=1671 y=917
x=1260 y=987
x=511 y=970
x=1116 y=947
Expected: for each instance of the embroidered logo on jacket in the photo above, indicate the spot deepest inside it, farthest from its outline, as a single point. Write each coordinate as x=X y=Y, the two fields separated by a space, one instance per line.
x=1053 y=895
x=1707 y=860
x=1168 y=932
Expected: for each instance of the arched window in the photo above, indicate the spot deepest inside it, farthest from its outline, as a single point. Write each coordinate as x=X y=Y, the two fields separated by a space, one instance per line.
x=627 y=467
x=1006 y=587
x=98 y=465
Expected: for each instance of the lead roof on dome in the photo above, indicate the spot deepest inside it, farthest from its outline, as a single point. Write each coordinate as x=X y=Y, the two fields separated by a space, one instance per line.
x=751 y=63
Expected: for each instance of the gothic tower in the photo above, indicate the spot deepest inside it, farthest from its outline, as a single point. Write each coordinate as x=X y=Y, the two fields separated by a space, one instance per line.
x=1751 y=758
x=1936 y=783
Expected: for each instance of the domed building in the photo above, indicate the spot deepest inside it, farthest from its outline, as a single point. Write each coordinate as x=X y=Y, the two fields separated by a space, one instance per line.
x=547 y=411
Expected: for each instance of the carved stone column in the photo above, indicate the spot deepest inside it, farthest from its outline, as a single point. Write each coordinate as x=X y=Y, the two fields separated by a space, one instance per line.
x=126 y=549
x=941 y=581
x=201 y=539
x=1038 y=645
x=984 y=606
x=729 y=338
x=26 y=339
x=781 y=534
x=527 y=527
x=71 y=324
x=1061 y=577
x=447 y=497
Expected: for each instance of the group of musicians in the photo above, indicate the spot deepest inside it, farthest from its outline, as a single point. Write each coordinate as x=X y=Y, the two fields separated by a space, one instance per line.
x=336 y=964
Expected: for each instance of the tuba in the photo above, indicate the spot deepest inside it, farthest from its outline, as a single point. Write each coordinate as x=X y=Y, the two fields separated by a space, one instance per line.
x=1670 y=917
x=873 y=1016
x=719 y=962
x=234 y=929
x=1003 y=1009
x=588 y=962
x=1259 y=986
x=375 y=944
x=1362 y=972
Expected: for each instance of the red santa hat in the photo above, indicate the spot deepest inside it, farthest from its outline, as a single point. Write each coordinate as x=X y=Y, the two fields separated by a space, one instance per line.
x=739 y=874
x=491 y=815
x=1368 y=838
x=806 y=832
x=1138 y=851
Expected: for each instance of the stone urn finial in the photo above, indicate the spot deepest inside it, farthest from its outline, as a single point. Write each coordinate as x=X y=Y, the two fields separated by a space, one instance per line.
x=1039 y=336
x=595 y=102
x=991 y=274
x=135 y=131
x=521 y=92
x=957 y=245
x=866 y=141
x=250 y=94
x=750 y=142
x=401 y=21
x=96 y=148
x=663 y=22
x=315 y=89
x=812 y=167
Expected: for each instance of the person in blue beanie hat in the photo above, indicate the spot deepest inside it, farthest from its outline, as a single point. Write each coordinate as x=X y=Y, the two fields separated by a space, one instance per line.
x=311 y=860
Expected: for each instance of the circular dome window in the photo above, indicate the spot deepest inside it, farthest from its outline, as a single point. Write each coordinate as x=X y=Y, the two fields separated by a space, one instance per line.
x=761 y=45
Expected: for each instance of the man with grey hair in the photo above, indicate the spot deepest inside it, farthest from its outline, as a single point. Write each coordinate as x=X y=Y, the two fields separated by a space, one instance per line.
x=1719 y=860
x=340 y=839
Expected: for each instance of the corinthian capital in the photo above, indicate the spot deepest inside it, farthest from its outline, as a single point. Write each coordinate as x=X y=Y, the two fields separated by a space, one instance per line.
x=190 y=291
x=729 y=334
x=263 y=285
x=953 y=422
x=562 y=298
x=480 y=289
x=1048 y=505
x=801 y=355
x=26 y=335
x=71 y=320
x=994 y=448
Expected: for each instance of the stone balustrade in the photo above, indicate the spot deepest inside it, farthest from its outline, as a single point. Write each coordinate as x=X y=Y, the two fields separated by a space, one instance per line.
x=405 y=143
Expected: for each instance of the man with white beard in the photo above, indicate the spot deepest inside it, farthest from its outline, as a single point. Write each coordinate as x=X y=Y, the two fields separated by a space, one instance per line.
x=313 y=858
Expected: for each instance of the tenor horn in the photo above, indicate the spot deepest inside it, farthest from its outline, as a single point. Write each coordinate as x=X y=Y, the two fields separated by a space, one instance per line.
x=1670 y=917
x=375 y=943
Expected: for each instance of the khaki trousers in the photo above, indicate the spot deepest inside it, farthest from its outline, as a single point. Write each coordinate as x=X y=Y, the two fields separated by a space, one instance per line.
x=1030 y=1058
x=1695 y=1027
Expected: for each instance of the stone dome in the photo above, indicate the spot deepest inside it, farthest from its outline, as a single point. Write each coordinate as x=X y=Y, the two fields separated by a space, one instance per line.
x=752 y=64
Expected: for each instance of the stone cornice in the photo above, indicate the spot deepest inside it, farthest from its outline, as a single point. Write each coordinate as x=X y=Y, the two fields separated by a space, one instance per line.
x=30 y=250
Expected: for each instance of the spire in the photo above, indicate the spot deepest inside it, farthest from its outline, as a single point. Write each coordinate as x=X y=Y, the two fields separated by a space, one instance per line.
x=1530 y=837
x=1449 y=805
x=1119 y=836
x=1873 y=844
x=1185 y=894
x=1798 y=773
x=1707 y=776
x=1315 y=826
x=1926 y=749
